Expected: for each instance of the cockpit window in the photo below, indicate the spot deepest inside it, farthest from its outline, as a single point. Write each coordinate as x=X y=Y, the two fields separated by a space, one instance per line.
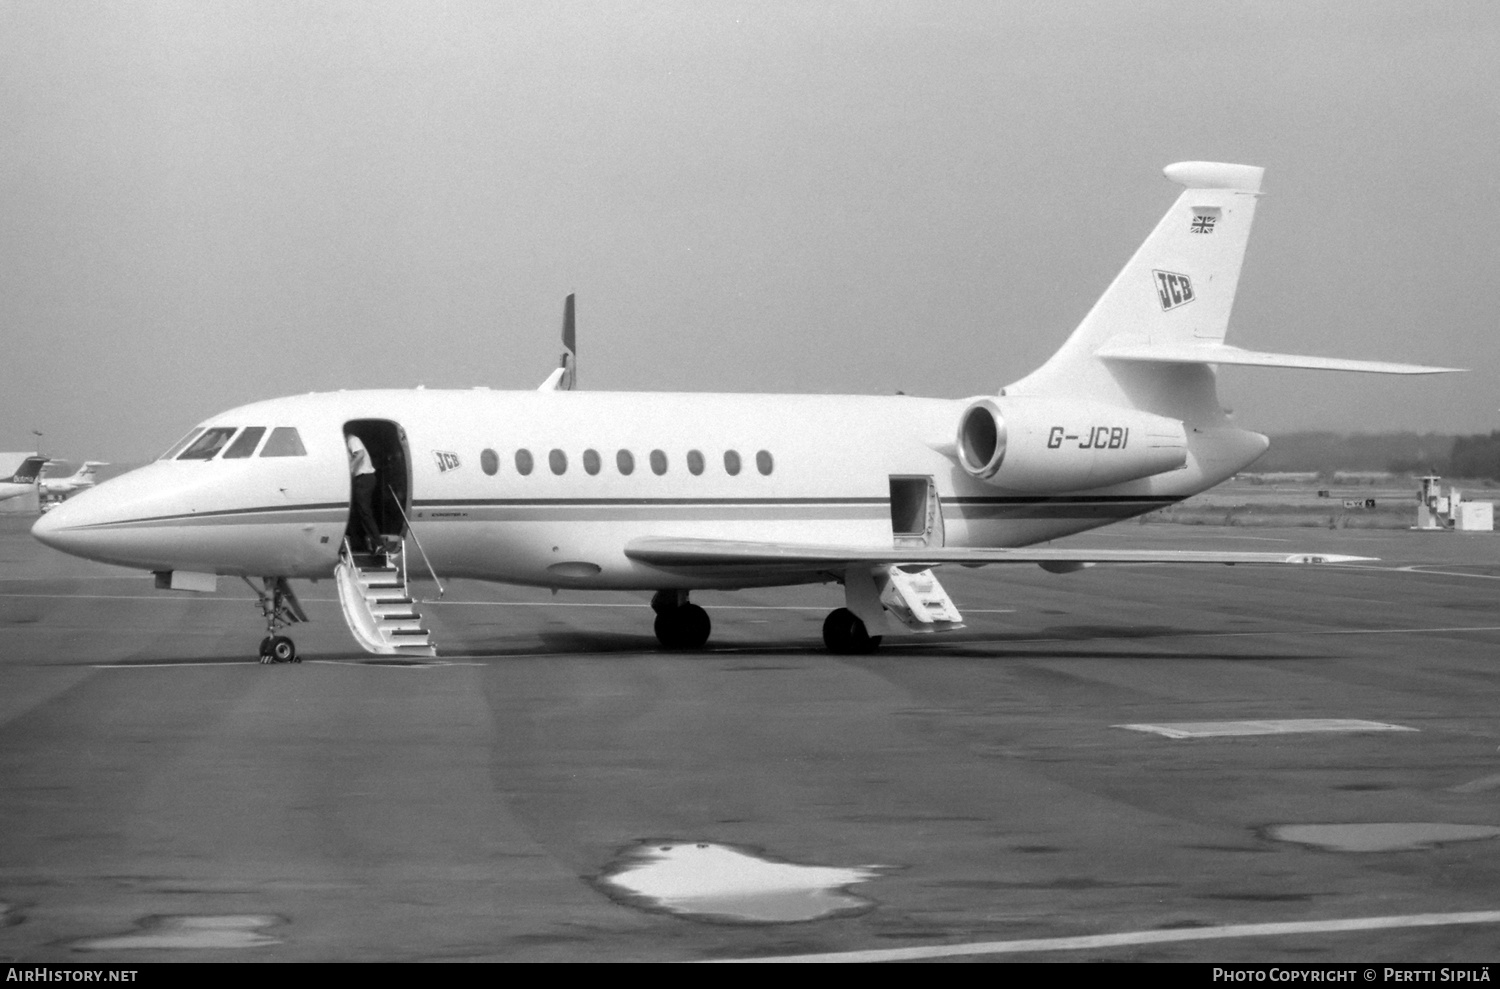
x=205 y=446
x=245 y=444
x=284 y=442
x=177 y=447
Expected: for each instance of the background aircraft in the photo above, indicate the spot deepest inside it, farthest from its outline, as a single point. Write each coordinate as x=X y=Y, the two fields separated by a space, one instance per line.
x=671 y=492
x=24 y=479
x=84 y=477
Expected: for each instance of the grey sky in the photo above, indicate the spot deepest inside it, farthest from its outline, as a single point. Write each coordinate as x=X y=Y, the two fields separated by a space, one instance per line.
x=205 y=204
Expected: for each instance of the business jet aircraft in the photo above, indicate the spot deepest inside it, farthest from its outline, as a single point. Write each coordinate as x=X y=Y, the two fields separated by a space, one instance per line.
x=23 y=480
x=58 y=487
x=676 y=492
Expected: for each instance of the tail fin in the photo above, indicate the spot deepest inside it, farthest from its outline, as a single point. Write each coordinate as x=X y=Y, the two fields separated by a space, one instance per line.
x=1149 y=340
x=29 y=471
x=566 y=375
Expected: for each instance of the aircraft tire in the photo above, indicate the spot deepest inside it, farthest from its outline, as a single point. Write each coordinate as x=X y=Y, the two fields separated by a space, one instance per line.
x=845 y=635
x=685 y=627
x=283 y=650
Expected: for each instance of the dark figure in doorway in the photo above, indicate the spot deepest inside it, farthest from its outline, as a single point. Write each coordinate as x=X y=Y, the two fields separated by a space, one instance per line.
x=362 y=475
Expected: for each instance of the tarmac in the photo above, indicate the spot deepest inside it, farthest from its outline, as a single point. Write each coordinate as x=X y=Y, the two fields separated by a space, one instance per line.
x=165 y=797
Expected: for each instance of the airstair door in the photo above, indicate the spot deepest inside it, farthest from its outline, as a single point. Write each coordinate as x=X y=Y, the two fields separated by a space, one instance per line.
x=916 y=514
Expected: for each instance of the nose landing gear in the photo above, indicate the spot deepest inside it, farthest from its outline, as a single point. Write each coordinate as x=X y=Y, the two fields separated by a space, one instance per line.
x=280 y=607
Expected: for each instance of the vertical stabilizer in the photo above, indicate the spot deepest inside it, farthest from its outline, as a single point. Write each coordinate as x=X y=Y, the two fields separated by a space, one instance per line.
x=565 y=377
x=570 y=348
x=29 y=471
x=1178 y=289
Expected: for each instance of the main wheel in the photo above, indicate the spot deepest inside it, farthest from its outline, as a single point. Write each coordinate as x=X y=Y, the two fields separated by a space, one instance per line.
x=265 y=650
x=684 y=627
x=845 y=635
x=283 y=650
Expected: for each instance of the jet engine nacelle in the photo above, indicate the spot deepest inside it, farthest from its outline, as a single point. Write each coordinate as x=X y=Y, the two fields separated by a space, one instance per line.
x=1027 y=444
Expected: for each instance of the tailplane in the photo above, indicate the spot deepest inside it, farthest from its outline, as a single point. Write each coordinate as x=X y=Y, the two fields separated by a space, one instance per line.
x=1150 y=340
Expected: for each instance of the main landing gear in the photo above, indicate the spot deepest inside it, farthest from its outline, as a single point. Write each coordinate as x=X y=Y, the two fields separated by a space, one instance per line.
x=845 y=635
x=679 y=624
x=280 y=607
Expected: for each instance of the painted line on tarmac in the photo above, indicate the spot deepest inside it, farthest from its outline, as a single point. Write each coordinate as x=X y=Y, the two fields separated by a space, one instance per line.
x=174 y=666
x=1132 y=938
x=1270 y=726
x=1423 y=568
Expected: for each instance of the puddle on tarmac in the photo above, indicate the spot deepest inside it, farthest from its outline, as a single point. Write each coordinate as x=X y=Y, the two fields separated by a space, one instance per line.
x=1379 y=837
x=719 y=881
x=189 y=933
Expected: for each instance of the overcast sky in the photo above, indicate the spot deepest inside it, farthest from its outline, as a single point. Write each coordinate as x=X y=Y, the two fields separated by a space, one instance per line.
x=205 y=204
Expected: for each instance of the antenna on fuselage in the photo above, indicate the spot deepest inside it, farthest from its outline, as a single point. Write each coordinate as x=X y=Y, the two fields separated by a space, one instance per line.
x=565 y=378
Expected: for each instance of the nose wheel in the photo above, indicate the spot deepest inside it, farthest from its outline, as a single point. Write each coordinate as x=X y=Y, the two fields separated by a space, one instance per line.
x=279 y=606
x=278 y=649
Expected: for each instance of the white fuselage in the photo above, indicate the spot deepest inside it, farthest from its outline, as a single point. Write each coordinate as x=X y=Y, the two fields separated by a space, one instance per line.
x=813 y=469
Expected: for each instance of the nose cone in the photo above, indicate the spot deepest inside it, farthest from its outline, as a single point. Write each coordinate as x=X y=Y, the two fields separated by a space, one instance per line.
x=65 y=527
x=107 y=523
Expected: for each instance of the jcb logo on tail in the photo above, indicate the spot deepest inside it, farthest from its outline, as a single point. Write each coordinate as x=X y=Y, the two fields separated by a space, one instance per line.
x=1173 y=289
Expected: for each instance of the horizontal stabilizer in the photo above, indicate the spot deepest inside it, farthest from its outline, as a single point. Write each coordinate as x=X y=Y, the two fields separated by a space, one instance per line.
x=1223 y=353
x=728 y=554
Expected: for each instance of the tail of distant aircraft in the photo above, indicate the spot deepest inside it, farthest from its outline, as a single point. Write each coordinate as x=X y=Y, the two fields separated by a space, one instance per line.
x=1150 y=340
x=29 y=471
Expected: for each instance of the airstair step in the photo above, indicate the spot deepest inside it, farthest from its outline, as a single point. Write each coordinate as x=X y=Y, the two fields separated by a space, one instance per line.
x=403 y=640
x=393 y=612
x=378 y=607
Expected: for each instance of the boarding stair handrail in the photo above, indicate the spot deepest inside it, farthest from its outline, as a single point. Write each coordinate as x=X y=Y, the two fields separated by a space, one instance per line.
x=414 y=539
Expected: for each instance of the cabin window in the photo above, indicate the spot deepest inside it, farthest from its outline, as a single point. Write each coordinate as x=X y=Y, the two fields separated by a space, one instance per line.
x=285 y=441
x=625 y=461
x=731 y=462
x=177 y=447
x=245 y=445
x=523 y=461
x=695 y=462
x=764 y=463
x=558 y=461
x=210 y=443
x=658 y=462
x=489 y=462
x=591 y=461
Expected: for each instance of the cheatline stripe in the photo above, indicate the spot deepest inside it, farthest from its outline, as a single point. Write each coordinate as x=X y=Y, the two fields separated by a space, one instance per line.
x=964 y=506
x=1133 y=938
x=975 y=500
x=228 y=513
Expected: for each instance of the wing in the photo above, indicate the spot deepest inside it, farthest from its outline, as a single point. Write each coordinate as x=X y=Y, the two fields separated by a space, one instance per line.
x=728 y=555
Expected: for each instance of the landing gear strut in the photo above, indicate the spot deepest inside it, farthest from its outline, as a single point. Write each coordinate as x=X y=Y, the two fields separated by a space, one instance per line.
x=280 y=607
x=679 y=624
x=845 y=635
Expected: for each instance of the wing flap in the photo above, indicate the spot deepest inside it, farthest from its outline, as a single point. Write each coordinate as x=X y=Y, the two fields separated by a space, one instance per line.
x=722 y=554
